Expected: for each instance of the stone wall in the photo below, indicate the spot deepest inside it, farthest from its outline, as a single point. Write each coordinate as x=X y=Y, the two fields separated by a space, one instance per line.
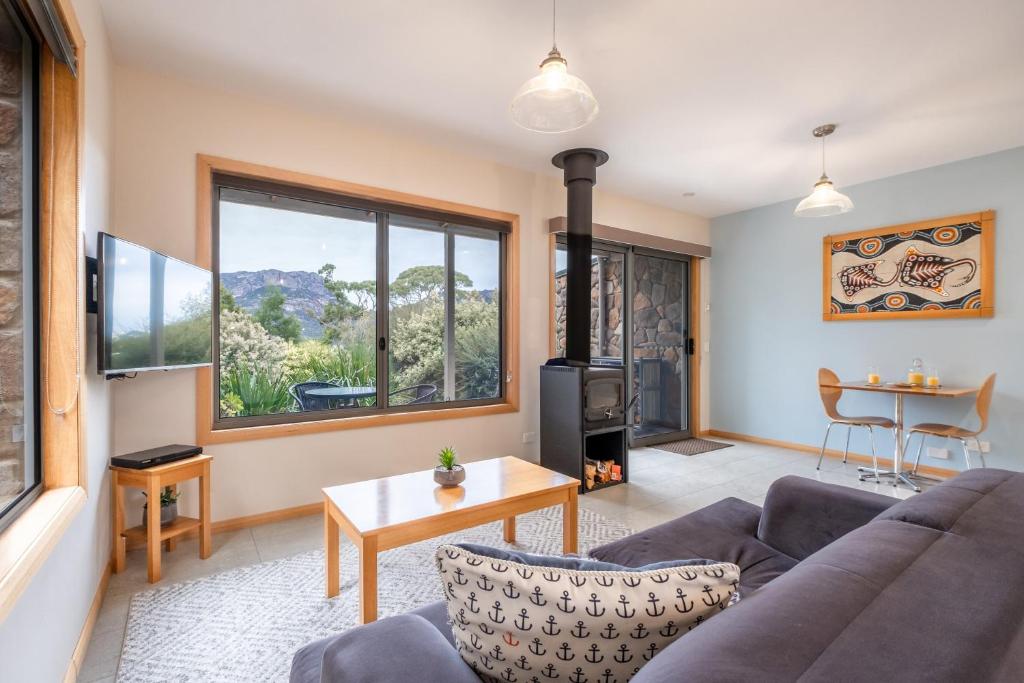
x=11 y=343
x=658 y=326
x=606 y=321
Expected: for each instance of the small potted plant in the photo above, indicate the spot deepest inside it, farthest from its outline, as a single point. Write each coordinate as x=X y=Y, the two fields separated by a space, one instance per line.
x=168 y=507
x=447 y=473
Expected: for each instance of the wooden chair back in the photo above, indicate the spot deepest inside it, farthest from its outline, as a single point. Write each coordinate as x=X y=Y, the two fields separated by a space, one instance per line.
x=829 y=395
x=984 y=400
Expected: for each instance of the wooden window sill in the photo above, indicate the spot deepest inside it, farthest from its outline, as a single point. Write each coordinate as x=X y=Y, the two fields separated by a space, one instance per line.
x=30 y=539
x=273 y=431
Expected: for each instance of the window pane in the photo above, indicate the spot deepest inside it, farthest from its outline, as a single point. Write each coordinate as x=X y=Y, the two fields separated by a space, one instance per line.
x=19 y=464
x=297 y=306
x=477 y=316
x=416 y=277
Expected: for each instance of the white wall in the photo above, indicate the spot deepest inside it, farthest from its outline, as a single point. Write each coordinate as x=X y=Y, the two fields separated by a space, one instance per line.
x=769 y=339
x=39 y=635
x=161 y=123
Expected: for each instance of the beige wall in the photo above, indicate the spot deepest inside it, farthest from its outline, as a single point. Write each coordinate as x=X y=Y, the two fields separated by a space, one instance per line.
x=39 y=635
x=162 y=123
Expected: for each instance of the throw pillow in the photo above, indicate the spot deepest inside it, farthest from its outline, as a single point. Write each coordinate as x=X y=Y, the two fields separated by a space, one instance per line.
x=518 y=618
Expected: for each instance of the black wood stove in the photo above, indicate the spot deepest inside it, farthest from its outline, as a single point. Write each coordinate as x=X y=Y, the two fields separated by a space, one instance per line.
x=582 y=407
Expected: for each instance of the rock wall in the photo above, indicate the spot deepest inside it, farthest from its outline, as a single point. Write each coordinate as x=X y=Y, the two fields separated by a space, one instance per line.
x=605 y=281
x=11 y=342
x=658 y=328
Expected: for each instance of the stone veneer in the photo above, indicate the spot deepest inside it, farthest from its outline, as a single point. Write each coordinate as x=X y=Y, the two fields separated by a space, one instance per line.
x=657 y=319
x=606 y=278
x=12 y=468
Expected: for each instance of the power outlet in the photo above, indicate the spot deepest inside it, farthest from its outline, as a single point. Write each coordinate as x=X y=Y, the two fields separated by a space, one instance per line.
x=529 y=437
x=938 y=453
x=986 y=446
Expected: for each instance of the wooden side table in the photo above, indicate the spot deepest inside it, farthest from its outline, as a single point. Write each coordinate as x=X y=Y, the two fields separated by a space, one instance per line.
x=153 y=480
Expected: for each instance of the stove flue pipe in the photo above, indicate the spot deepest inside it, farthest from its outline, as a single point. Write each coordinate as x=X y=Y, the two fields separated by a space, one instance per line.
x=580 y=176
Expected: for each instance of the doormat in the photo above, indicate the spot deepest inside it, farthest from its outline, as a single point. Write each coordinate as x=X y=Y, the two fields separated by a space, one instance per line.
x=691 y=446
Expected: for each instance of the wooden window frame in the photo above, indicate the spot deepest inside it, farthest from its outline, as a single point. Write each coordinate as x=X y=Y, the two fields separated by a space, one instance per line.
x=206 y=428
x=28 y=540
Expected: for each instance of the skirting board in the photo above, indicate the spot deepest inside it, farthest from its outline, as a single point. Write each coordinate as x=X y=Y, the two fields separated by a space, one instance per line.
x=942 y=472
x=235 y=523
x=78 y=656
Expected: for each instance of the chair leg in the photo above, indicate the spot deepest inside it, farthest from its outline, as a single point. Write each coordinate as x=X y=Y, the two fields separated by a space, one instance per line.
x=824 y=443
x=846 y=451
x=967 y=453
x=874 y=453
x=981 y=455
x=920 y=447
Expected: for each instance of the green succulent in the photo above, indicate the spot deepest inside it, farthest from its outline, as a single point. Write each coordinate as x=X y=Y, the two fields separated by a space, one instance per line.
x=447 y=457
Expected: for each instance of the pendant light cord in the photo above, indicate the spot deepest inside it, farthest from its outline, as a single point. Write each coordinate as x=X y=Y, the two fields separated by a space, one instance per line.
x=554 y=24
x=822 y=155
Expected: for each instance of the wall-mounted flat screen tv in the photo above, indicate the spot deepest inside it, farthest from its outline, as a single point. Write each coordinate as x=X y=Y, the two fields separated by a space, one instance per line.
x=154 y=311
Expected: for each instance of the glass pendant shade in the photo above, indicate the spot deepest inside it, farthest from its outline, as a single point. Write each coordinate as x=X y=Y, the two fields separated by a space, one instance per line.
x=825 y=200
x=554 y=101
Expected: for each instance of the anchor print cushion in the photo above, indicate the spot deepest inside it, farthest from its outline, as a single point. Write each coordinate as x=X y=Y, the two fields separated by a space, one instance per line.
x=519 y=618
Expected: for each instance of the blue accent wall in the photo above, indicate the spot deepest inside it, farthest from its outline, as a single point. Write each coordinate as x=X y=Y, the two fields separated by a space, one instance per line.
x=768 y=338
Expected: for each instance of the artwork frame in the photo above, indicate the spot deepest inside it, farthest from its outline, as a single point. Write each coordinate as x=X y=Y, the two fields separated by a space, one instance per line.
x=920 y=270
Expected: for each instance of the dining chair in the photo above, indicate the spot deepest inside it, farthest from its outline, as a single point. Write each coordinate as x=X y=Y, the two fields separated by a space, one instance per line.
x=926 y=429
x=830 y=396
x=306 y=402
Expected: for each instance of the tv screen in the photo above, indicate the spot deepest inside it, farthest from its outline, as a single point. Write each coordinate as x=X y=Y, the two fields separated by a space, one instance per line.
x=154 y=311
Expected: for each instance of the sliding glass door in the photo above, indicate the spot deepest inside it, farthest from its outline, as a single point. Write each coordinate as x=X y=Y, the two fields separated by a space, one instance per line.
x=639 y=311
x=660 y=347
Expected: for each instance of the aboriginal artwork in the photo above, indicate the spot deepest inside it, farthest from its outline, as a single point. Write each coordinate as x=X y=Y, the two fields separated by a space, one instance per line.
x=935 y=268
x=519 y=623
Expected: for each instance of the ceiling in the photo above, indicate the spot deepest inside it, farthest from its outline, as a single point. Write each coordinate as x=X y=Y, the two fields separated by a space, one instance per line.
x=714 y=98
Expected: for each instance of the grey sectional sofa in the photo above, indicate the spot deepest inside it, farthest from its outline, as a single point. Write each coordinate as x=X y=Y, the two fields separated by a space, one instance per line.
x=838 y=585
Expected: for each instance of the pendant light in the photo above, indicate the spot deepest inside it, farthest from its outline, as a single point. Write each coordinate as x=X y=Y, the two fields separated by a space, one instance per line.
x=554 y=101
x=825 y=200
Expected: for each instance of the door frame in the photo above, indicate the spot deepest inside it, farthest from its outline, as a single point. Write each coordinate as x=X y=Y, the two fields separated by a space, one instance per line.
x=692 y=318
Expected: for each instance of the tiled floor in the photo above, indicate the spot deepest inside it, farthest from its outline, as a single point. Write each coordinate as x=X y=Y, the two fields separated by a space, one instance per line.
x=662 y=486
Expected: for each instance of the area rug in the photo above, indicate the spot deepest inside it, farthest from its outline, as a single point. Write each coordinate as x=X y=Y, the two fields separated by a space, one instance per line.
x=245 y=624
x=691 y=446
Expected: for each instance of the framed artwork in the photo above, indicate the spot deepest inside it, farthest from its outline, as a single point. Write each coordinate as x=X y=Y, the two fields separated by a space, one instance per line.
x=939 y=268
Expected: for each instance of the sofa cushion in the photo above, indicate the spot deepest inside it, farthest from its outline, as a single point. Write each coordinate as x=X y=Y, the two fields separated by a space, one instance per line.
x=367 y=655
x=724 y=531
x=943 y=506
x=437 y=614
x=802 y=515
x=574 y=624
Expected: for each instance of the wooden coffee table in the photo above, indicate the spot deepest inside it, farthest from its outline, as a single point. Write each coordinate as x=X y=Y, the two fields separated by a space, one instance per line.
x=381 y=514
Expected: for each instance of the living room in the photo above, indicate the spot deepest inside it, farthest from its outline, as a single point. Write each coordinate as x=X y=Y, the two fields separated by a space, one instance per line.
x=462 y=303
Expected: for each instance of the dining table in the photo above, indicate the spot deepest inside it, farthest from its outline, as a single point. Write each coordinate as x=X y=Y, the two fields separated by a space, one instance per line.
x=344 y=395
x=900 y=391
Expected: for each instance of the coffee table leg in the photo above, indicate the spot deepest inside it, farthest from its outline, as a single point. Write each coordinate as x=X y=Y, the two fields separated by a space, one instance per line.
x=510 y=530
x=570 y=522
x=368 y=580
x=331 y=553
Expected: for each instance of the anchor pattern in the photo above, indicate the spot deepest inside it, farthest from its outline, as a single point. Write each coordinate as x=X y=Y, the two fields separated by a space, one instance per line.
x=573 y=625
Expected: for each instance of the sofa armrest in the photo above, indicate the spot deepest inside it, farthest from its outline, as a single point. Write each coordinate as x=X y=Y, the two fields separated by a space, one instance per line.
x=397 y=649
x=801 y=516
